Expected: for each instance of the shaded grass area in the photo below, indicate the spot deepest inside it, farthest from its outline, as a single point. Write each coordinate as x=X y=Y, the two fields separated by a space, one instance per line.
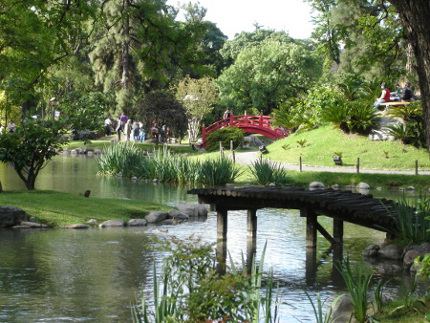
x=56 y=208
x=102 y=142
x=317 y=147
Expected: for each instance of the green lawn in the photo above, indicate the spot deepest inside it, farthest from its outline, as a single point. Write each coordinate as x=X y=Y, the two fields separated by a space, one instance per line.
x=56 y=208
x=319 y=146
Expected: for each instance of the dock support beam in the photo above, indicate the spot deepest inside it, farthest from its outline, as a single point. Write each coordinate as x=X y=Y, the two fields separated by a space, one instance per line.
x=311 y=227
x=251 y=237
x=222 y=217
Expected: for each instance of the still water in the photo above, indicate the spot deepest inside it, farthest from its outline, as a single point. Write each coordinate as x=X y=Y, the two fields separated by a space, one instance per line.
x=95 y=275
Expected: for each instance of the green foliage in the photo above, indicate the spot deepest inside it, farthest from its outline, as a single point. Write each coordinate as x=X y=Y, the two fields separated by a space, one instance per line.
x=362 y=117
x=352 y=116
x=164 y=108
x=302 y=143
x=412 y=132
x=266 y=172
x=163 y=165
x=84 y=111
x=357 y=278
x=412 y=224
x=267 y=74
x=198 y=97
x=321 y=317
x=193 y=291
x=218 y=171
x=31 y=146
x=225 y=136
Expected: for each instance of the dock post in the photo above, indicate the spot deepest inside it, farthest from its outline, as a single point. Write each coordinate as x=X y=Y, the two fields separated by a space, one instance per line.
x=251 y=237
x=311 y=227
x=222 y=240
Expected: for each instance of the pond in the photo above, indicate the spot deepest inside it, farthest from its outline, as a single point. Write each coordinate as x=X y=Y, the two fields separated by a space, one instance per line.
x=95 y=275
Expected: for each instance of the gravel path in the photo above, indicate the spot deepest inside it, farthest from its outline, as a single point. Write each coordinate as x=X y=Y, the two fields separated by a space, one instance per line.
x=247 y=158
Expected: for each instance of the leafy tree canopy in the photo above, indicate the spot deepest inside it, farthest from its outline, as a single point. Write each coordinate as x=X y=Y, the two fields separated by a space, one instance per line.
x=265 y=75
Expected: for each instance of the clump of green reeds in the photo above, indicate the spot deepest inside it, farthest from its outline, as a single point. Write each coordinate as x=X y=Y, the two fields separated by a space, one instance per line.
x=266 y=172
x=191 y=290
x=163 y=165
x=119 y=158
x=218 y=171
x=411 y=220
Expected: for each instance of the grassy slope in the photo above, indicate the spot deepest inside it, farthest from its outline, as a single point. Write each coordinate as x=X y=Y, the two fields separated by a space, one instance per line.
x=56 y=208
x=322 y=143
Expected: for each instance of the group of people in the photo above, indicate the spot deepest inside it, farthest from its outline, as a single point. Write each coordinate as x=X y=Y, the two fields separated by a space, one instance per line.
x=135 y=130
x=11 y=127
x=407 y=95
x=132 y=129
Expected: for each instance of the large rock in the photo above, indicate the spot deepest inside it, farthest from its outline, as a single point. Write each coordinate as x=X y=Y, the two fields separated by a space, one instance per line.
x=137 y=223
x=193 y=210
x=11 y=216
x=178 y=215
x=77 y=226
x=112 y=224
x=391 y=251
x=156 y=216
x=316 y=186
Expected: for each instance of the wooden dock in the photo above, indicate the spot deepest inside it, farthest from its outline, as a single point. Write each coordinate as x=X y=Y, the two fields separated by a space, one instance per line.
x=342 y=206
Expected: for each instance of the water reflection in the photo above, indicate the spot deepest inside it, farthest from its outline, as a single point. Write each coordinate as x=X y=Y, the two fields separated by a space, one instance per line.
x=94 y=275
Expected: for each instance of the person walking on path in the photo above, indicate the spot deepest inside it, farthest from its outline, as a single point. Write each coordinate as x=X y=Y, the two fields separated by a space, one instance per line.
x=128 y=129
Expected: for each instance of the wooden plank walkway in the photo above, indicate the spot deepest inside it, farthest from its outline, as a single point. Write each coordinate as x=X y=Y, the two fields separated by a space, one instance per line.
x=346 y=206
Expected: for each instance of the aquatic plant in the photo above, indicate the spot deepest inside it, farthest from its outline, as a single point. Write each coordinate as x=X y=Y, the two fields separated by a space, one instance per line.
x=191 y=290
x=266 y=171
x=218 y=171
x=357 y=278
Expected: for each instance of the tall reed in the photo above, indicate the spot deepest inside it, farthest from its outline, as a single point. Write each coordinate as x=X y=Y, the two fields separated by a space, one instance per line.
x=218 y=171
x=119 y=158
x=357 y=278
x=266 y=172
x=192 y=291
x=411 y=220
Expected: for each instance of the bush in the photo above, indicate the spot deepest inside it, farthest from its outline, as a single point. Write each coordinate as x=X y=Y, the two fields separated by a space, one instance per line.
x=224 y=135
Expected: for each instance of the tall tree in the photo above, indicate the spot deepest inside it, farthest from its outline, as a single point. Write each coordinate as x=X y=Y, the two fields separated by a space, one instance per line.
x=198 y=96
x=414 y=15
x=265 y=75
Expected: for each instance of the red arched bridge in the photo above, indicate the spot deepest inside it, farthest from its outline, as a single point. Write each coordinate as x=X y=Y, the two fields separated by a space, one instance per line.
x=250 y=124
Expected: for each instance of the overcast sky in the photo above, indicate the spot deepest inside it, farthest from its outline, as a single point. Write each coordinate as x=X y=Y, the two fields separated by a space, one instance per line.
x=235 y=16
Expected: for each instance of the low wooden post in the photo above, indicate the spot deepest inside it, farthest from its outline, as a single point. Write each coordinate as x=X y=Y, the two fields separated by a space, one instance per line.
x=222 y=240
x=300 y=163
x=416 y=167
x=231 y=145
x=311 y=227
x=358 y=165
x=251 y=241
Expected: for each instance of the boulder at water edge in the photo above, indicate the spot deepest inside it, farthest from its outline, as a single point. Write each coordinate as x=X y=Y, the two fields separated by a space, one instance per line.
x=11 y=216
x=193 y=210
x=112 y=224
x=156 y=216
x=137 y=223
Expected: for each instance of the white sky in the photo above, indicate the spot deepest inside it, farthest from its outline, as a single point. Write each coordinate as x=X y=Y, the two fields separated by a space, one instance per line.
x=235 y=16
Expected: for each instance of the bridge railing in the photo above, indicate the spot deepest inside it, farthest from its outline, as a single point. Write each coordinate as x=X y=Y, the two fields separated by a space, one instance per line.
x=243 y=121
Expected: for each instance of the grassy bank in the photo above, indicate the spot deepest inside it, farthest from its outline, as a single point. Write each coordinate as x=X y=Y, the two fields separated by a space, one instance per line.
x=103 y=141
x=56 y=208
x=317 y=147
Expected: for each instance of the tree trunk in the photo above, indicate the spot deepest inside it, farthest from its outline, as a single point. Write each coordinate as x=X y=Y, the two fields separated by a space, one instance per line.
x=126 y=46
x=415 y=17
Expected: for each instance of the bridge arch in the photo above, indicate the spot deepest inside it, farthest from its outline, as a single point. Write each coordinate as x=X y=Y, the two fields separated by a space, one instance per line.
x=250 y=124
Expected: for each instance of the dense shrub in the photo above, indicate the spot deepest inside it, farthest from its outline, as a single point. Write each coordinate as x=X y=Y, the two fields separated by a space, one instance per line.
x=224 y=135
x=413 y=131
